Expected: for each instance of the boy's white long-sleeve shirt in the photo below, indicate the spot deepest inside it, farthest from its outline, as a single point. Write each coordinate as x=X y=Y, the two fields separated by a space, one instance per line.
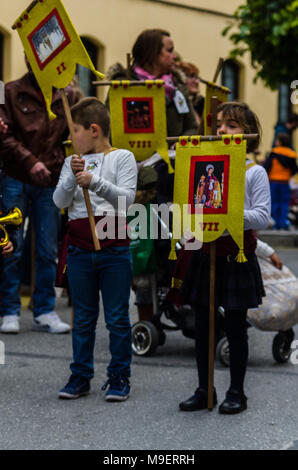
x=113 y=175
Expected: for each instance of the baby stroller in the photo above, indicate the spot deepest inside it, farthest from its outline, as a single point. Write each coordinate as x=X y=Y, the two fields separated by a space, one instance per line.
x=279 y=312
x=149 y=334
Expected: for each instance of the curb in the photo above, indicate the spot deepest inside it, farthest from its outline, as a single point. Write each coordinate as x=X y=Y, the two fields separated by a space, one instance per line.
x=279 y=238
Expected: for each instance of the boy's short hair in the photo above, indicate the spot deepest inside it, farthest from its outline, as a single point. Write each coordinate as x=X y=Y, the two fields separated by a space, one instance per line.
x=246 y=118
x=284 y=139
x=91 y=111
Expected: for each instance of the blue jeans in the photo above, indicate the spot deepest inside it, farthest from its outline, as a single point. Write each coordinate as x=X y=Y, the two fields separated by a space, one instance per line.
x=45 y=217
x=280 y=201
x=108 y=270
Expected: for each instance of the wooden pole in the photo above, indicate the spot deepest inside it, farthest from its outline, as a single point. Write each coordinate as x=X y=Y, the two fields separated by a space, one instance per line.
x=132 y=82
x=85 y=191
x=143 y=83
x=214 y=103
x=218 y=69
x=128 y=66
x=210 y=138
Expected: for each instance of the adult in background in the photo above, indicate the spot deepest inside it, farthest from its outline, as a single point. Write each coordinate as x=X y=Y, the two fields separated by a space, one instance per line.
x=33 y=155
x=154 y=58
x=191 y=72
x=281 y=165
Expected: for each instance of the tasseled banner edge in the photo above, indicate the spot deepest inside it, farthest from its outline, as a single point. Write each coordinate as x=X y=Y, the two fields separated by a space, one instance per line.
x=176 y=283
x=173 y=254
x=241 y=258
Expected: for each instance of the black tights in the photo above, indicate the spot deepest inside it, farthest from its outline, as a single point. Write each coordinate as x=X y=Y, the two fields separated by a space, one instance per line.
x=236 y=331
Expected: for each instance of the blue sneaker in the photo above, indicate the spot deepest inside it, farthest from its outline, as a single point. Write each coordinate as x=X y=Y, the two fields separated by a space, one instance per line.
x=76 y=387
x=119 y=388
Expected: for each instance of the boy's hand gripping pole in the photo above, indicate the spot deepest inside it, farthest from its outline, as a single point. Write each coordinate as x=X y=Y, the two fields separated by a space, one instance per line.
x=85 y=191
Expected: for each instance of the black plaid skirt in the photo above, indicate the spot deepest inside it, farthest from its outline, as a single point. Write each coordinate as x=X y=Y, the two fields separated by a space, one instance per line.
x=237 y=285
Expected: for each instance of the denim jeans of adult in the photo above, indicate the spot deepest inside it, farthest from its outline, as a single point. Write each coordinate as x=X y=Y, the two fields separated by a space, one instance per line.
x=109 y=271
x=45 y=215
x=280 y=201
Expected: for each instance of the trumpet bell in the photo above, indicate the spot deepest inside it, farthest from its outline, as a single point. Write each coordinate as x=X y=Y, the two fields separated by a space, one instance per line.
x=14 y=217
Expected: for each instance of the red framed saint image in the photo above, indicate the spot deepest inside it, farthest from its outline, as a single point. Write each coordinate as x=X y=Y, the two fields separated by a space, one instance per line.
x=209 y=183
x=48 y=39
x=138 y=115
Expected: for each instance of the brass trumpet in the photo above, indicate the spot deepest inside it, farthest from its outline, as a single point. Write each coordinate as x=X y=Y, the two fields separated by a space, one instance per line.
x=14 y=217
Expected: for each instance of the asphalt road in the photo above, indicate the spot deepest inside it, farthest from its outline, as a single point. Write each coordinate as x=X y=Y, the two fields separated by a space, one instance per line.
x=32 y=417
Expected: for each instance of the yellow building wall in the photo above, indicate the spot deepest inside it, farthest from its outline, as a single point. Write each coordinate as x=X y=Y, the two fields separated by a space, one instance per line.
x=114 y=25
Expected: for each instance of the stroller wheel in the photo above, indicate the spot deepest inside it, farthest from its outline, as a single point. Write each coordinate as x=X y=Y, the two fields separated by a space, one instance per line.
x=281 y=346
x=223 y=352
x=145 y=338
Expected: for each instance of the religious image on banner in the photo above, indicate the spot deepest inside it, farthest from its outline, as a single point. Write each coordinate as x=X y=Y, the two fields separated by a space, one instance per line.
x=49 y=38
x=52 y=46
x=221 y=93
x=138 y=115
x=209 y=189
x=138 y=118
x=207 y=183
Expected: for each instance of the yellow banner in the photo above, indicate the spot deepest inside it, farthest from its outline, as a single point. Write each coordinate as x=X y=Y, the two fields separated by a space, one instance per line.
x=221 y=93
x=209 y=188
x=138 y=118
x=52 y=46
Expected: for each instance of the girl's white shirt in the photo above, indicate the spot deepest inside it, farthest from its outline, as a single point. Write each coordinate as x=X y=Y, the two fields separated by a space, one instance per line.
x=113 y=175
x=257 y=202
x=264 y=250
x=257 y=199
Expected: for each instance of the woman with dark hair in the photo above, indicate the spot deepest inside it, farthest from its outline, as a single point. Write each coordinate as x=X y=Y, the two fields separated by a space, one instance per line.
x=154 y=58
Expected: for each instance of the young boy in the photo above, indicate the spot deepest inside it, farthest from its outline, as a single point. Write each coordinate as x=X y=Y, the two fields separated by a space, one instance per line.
x=281 y=166
x=108 y=173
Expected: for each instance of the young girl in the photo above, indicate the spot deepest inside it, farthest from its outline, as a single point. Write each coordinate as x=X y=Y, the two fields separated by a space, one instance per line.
x=238 y=286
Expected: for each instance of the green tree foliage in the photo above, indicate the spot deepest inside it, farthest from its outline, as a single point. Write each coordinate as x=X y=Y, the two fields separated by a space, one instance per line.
x=268 y=29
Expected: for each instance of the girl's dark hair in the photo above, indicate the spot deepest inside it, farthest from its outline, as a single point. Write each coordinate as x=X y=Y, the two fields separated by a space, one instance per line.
x=148 y=46
x=91 y=111
x=246 y=118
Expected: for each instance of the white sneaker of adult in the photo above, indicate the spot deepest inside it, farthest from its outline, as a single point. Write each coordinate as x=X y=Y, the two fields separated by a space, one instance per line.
x=51 y=323
x=10 y=324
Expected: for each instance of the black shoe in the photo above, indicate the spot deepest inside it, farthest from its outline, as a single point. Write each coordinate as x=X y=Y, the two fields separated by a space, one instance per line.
x=235 y=402
x=75 y=388
x=199 y=401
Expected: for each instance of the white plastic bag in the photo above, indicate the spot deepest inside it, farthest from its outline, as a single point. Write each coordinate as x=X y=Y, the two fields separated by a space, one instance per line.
x=279 y=310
